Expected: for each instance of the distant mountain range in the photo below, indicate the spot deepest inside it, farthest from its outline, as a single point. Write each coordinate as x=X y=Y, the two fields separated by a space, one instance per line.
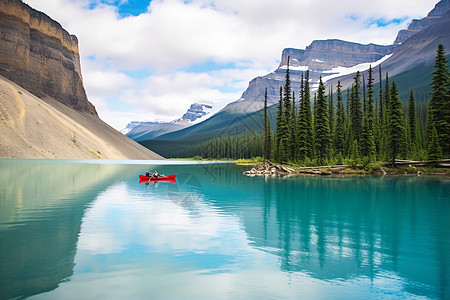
x=143 y=130
x=409 y=60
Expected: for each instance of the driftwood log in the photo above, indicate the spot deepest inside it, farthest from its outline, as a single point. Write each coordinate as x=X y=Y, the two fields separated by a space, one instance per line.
x=272 y=169
x=443 y=163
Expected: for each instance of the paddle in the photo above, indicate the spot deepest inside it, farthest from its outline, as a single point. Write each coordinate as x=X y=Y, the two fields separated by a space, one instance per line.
x=151 y=177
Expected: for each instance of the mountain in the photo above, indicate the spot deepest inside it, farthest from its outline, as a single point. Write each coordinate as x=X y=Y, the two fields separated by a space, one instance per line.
x=409 y=61
x=322 y=57
x=44 y=110
x=414 y=55
x=138 y=131
x=142 y=130
x=334 y=59
x=195 y=114
x=39 y=55
x=433 y=16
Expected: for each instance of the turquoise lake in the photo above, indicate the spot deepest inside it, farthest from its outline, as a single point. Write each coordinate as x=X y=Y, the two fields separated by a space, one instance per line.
x=91 y=230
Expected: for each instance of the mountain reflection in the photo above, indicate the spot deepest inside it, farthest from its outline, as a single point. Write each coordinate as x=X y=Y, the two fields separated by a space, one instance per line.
x=213 y=221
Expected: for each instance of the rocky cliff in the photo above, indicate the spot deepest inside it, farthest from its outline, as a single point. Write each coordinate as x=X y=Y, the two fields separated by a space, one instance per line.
x=321 y=58
x=31 y=127
x=334 y=58
x=39 y=55
x=416 y=26
x=327 y=54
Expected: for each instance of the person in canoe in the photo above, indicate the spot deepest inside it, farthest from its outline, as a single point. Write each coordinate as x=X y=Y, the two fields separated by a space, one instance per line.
x=147 y=173
x=155 y=175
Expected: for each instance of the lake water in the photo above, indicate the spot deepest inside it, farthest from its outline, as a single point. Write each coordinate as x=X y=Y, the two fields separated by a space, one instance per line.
x=91 y=230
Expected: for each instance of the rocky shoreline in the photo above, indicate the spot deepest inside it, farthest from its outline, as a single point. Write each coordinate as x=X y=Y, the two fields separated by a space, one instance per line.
x=270 y=169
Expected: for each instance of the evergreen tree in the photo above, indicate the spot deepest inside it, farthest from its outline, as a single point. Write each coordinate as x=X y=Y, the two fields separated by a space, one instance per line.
x=340 y=123
x=294 y=129
x=386 y=96
x=433 y=147
x=267 y=131
x=412 y=128
x=355 y=108
x=287 y=107
x=380 y=105
x=305 y=120
x=280 y=129
x=439 y=107
x=288 y=136
x=379 y=129
x=396 y=126
x=367 y=136
x=331 y=112
x=384 y=141
x=370 y=100
x=321 y=123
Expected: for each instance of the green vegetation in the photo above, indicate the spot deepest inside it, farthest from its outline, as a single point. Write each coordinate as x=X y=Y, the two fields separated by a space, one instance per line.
x=371 y=124
x=366 y=134
x=251 y=161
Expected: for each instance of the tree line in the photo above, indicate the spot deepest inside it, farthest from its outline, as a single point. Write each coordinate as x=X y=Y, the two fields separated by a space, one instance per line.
x=329 y=130
x=364 y=130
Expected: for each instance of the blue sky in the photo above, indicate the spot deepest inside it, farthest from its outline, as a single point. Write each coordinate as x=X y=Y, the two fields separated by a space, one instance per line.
x=149 y=60
x=125 y=8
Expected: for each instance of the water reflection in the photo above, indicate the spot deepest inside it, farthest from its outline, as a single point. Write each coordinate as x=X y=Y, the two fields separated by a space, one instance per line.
x=77 y=231
x=41 y=208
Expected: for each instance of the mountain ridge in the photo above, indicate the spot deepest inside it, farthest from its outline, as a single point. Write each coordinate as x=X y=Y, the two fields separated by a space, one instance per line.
x=413 y=55
x=41 y=56
x=44 y=109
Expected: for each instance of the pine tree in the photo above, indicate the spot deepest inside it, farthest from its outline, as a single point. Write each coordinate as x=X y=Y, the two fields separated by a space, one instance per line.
x=355 y=108
x=331 y=112
x=439 y=107
x=321 y=124
x=340 y=123
x=279 y=129
x=412 y=129
x=384 y=141
x=304 y=120
x=433 y=147
x=395 y=124
x=367 y=136
x=386 y=96
x=370 y=100
x=380 y=105
x=380 y=127
x=294 y=129
x=267 y=130
x=288 y=136
x=287 y=94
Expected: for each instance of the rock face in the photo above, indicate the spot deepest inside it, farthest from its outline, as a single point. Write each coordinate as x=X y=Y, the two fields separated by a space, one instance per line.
x=335 y=58
x=324 y=55
x=31 y=127
x=195 y=112
x=433 y=16
x=39 y=55
x=321 y=58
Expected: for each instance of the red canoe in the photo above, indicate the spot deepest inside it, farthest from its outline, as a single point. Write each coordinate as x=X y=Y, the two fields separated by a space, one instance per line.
x=173 y=176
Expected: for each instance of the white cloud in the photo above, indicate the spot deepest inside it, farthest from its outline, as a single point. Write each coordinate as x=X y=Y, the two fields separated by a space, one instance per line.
x=174 y=35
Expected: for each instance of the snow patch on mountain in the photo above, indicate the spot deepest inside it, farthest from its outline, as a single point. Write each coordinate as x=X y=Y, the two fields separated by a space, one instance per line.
x=195 y=114
x=341 y=71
